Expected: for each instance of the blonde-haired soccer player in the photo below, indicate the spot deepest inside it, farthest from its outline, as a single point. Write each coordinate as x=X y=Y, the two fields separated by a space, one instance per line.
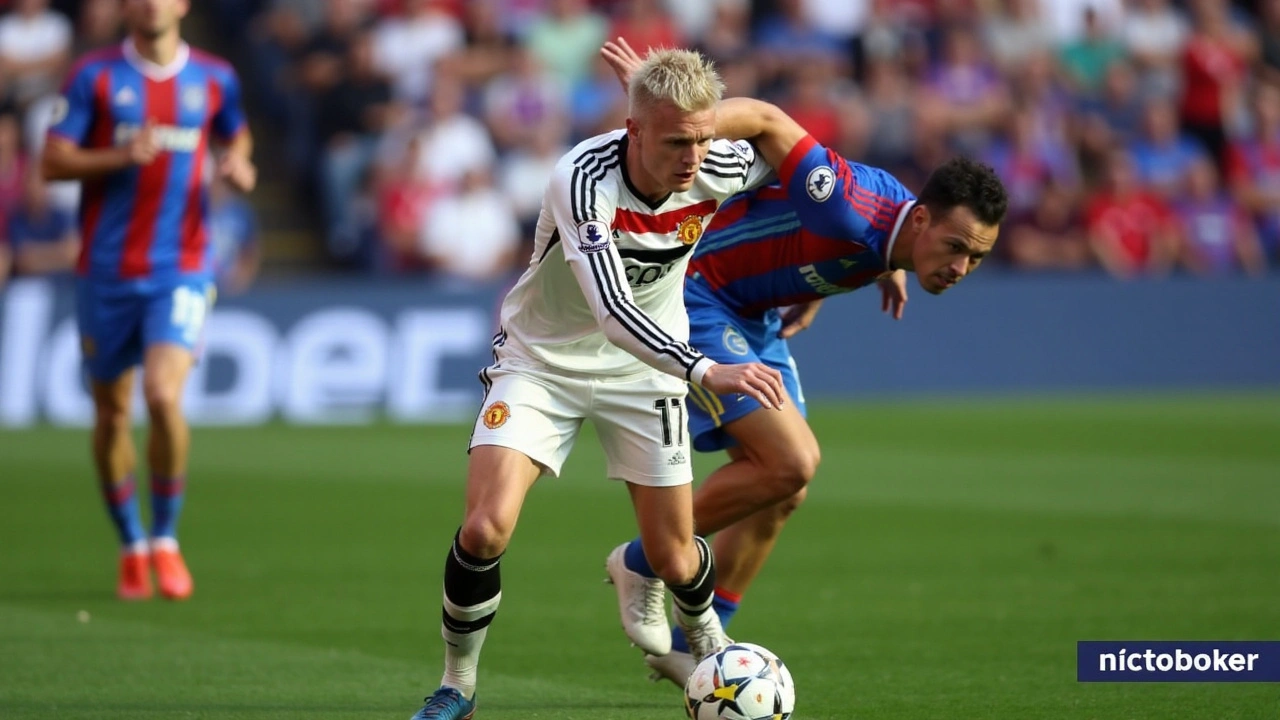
x=596 y=330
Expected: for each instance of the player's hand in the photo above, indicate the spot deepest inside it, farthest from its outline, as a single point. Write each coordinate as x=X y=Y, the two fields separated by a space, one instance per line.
x=143 y=147
x=798 y=317
x=623 y=59
x=893 y=293
x=753 y=379
x=238 y=171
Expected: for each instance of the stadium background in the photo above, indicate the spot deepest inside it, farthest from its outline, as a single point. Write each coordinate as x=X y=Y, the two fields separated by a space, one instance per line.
x=1079 y=442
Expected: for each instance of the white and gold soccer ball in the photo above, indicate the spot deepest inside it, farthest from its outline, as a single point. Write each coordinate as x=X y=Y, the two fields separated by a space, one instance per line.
x=741 y=682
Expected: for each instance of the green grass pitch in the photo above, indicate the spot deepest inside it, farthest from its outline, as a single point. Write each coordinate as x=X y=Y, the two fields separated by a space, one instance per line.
x=948 y=559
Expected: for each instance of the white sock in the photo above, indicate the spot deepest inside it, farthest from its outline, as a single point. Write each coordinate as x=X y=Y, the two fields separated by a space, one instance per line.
x=462 y=650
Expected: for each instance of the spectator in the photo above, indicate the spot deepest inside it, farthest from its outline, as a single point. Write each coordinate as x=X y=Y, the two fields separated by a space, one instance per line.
x=809 y=102
x=966 y=92
x=788 y=44
x=1154 y=35
x=526 y=171
x=567 y=39
x=407 y=47
x=1162 y=154
x=1217 y=235
x=43 y=238
x=1085 y=61
x=1015 y=33
x=233 y=239
x=317 y=69
x=1067 y=19
x=1214 y=65
x=453 y=143
x=518 y=103
x=35 y=47
x=1049 y=235
x=1269 y=31
x=729 y=34
x=1253 y=167
x=597 y=103
x=100 y=25
x=352 y=114
x=890 y=101
x=1115 y=114
x=645 y=26
x=471 y=235
x=1130 y=230
x=488 y=44
x=1028 y=163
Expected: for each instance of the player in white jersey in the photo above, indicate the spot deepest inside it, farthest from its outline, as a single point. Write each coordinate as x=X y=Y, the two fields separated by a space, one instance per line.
x=596 y=329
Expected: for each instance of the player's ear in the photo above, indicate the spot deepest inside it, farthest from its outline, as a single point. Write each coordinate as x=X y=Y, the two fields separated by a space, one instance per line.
x=633 y=130
x=921 y=217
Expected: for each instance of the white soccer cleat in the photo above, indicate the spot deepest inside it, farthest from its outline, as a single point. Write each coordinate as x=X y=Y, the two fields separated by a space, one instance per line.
x=643 y=604
x=703 y=632
x=675 y=666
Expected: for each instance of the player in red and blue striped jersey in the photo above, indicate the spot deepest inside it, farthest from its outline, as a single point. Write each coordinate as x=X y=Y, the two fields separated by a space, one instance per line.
x=758 y=275
x=135 y=123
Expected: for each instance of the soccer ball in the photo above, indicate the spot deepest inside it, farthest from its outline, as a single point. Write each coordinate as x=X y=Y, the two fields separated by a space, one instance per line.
x=741 y=682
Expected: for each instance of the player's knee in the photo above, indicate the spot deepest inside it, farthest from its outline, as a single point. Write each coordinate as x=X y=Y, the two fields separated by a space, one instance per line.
x=791 y=504
x=112 y=416
x=162 y=398
x=676 y=565
x=485 y=535
x=790 y=474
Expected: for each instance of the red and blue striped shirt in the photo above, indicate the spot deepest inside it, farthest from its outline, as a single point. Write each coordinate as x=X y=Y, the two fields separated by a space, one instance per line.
x=149 y=221
x=826 y=228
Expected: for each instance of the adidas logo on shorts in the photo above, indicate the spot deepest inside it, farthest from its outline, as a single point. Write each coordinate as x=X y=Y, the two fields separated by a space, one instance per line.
x=677 y=459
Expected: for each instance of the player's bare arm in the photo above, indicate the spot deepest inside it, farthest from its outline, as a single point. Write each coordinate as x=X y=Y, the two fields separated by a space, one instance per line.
x=65 y=160
x=236 y=166
x=798 y=317
x=893 y=293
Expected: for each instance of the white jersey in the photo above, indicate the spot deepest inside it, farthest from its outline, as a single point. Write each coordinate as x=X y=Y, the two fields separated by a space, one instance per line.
x=604 y=292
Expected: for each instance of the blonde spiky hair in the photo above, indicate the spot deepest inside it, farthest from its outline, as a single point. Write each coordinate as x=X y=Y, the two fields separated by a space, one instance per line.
x=682 y=77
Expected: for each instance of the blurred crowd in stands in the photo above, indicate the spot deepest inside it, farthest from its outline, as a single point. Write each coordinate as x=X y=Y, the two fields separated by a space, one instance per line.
x=1141 y=137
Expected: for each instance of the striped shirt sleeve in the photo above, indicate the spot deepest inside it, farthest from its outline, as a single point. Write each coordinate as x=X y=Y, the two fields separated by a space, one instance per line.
x=732 y=167
x=583 y=207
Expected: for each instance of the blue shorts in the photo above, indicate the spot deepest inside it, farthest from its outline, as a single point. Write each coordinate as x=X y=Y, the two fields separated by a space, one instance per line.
x=726 y=337
x=119 y=320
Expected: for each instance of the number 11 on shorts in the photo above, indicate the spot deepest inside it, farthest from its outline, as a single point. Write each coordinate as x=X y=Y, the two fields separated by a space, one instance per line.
x=664 y=406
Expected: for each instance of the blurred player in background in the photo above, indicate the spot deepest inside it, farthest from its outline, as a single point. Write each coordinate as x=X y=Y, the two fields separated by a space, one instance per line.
x=830 y=226
x=134 y=123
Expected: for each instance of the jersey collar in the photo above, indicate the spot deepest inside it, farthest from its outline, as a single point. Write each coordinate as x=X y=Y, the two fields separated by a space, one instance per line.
x=159 y=73
x=626 y=177
x=897 y=228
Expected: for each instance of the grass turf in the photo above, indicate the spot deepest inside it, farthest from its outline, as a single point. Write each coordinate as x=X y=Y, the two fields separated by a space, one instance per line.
x=949 y=557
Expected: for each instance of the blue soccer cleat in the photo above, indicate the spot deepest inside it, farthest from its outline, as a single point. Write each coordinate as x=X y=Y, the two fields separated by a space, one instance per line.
x=446 y=704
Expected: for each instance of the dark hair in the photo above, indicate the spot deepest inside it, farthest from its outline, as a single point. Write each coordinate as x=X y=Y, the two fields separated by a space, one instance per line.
x=961 y=182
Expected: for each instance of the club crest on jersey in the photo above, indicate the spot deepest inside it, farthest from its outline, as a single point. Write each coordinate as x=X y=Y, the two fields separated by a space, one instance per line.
x=744 y=150
x=734 y=342
x=690 y=230
x=593 y=236
x=58 y=112
x=820 y=183
x=495 y=416
x=193 y=97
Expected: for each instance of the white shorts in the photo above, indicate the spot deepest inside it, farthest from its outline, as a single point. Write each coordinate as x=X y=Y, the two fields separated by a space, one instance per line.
x=640 y=420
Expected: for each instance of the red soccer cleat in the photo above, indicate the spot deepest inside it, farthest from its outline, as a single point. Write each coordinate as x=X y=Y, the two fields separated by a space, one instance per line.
x=135 y=576
x=171 y=572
